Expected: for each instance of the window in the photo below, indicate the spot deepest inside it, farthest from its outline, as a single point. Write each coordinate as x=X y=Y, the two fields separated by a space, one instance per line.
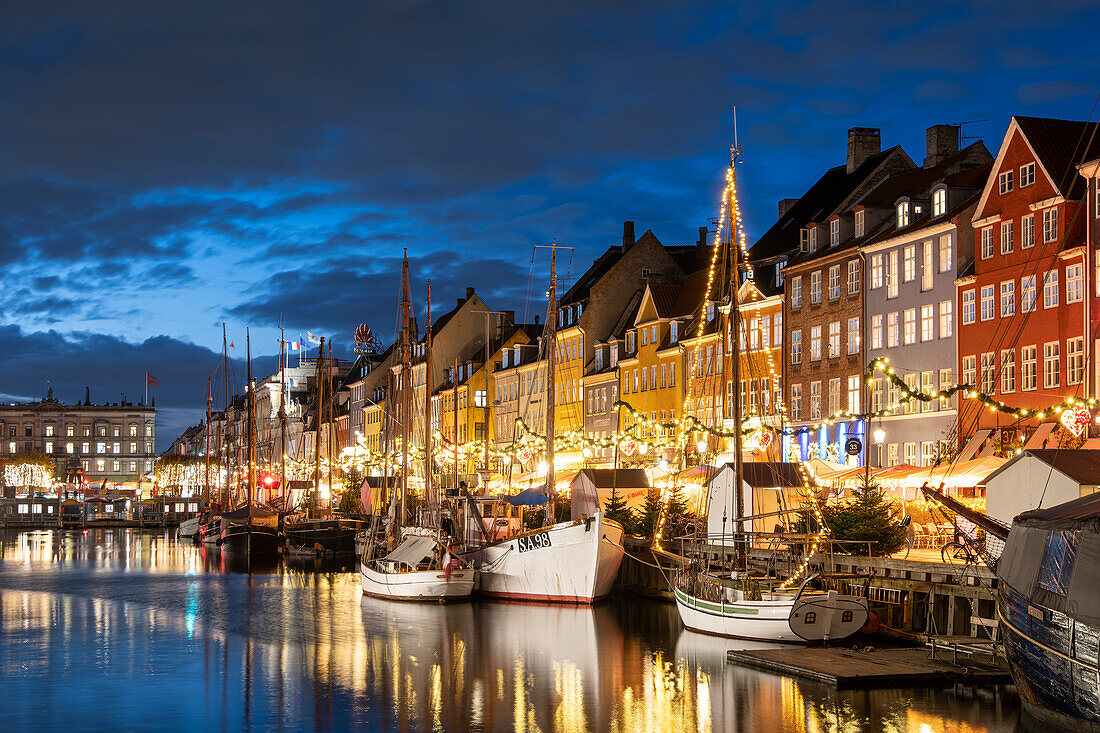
x=796 y=401
x=989 y=367
x=1075 y=283
x=1027 y=294
x=49 y=431
x=945 y=384
x=672 y=374
x=813 y=238
x=1075 y=360
x=927 y=453
x=796 y=292
x=892 y=454
x=1008 y=298
x=834 y=339
x=987 y=303
x=876 y=271
x=903 y=214
x=1050 y=289
x=834 y=396
x=777 y=331
x=853 y=393
x=968 y=307
x=987 y=243
x=877 y=400
x=876 y=331
x=630 y=342
x=926 y=386
x=853 y=335
x=911 y=383
x=939 y=202
x=664 y=374
x=133 y=431
x=796 y=347
x=803 y=240
x=815 y=400
x=892 y=275
x=927 y=322
x=1050 y=225
x=815 y=343
x=100 y=447
x=116 y=466
x=133 y=446
x=1050 y=364
x=815 y=287
x=834 y=282
x=49 y=446
x=945 y=253
x=891 y=330
x=968 y=370
x=779 y=273
x=674 y=326
x=834 y=232
x=1027 y=368
x=926 y=267
x=1006 y=237
x=1027 y=175
x=910 y=332
x=1004 y=182
x=909 y=273
x=69 y=448
x=859 y=223
x=645 y=337
x=853 y=277
x=1027 y=232
x=1008 y=371
x=946 y=321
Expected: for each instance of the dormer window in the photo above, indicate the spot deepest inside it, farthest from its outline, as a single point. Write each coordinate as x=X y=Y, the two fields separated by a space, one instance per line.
x=504 y=359
x=645 y=273
x=804 y=240
x=630 y=342
x=599 y=359
x=939 y=202
x=813 y=239
x=710 y=311
x=834 y=232
x=903 y=214
x=580 y=309
x=859 y=223
x=674 y=332
x=779 y=265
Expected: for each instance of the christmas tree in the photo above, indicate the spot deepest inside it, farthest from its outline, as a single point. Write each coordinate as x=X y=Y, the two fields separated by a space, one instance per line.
x=869 y=517
x=677 y=513
x=616 y=510
x=651 y=513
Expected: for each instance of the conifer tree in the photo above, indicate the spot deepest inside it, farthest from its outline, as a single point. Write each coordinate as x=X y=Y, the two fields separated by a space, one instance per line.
x=616 y=510
x=650 y=514
x=868 y=518
x=676 y=513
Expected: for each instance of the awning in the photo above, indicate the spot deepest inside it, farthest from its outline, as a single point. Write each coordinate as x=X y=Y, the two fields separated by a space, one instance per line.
x=413 y=551
x=972 y=445
x=1039 y=437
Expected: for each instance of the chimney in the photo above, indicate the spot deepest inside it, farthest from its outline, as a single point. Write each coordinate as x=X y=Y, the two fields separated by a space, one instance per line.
x=863 y=142
x=628 y=235
x=941 y=141
x=469 y=293
x=786 y=204
x=702 y=237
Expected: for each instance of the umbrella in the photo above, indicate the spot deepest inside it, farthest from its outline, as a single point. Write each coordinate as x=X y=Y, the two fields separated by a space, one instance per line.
x=527 y=497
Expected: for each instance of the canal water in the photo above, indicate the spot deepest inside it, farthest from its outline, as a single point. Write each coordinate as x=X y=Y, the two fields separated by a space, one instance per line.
x=123 y=629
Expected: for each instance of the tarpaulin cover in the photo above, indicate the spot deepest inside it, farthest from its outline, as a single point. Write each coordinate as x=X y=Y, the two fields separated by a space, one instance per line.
x=250 y=510
x=527 y=497
x=412 y=551
x=1083 y=513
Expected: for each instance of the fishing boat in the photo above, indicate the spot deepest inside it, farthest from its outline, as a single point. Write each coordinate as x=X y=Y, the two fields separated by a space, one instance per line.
x=418 y=565
x=737 y=602
x=574 y=561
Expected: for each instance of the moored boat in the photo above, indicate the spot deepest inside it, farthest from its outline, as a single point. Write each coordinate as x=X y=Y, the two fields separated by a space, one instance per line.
x=251 y=530
x=418 y=569
x=331 y=535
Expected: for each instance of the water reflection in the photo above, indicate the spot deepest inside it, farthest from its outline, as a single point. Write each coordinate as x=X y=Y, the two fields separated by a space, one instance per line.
x=120 y=628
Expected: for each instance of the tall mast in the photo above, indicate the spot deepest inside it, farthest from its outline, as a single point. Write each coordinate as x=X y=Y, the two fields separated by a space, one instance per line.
x=312 y=506
x=331 y=424
x=206 y=450
x=406 y=392
x=251 y=419
x=454 y=422
x=282 y=415
x=735 y=338
x=428 y=493
x=551 y=316
x=225 y=365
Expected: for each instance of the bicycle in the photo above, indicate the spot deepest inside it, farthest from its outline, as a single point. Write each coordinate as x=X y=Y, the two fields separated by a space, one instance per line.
x=959 y=552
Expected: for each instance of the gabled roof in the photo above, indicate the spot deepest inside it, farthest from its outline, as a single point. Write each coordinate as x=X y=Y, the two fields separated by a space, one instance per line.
x=1083 y=466
x=1060 y=145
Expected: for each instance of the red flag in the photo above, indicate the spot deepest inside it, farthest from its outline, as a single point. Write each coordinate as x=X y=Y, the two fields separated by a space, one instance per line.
x=151 y=380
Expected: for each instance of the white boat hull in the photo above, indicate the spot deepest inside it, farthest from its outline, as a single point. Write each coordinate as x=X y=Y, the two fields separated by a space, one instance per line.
x=761 y=620
x=190 y=527
x=418 y=585
x=569 y=562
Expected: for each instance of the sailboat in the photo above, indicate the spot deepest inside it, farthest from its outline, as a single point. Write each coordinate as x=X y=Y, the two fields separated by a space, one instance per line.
x=251 y=529
x=740 y=604
x=210 y=524
x=419 y=567
x=189 y=528
x=309 y=533
x=565 y=562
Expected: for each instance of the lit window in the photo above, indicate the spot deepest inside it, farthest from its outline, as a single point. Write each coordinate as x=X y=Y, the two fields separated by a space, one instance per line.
x=1075 y=360
x=853 y=335
x=910 y=331
x=939 y=202
x=815 y=287
x=909 y=273
x=892 y=327
x=892 y=275
x=903 y=214
x=946 y=322
x=853 y=277
x=815 y=343
x=834 y=282
x=927 y=322
x=796 y=292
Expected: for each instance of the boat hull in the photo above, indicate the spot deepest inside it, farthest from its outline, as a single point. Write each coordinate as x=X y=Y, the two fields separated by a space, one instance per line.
x=240 y=539
x=570 y=562
x=431 y=586
x=320 y=536
x=760 y=621
x=189 y=528
x=1055 y=686
x=210 y=532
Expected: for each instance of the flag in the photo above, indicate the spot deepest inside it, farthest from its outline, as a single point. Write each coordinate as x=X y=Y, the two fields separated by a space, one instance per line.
x=296 y=345
x=151 y=380
x=232 y=345
x=312 y=339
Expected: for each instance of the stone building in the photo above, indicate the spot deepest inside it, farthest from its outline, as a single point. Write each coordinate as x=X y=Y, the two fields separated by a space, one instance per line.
x=114 y=441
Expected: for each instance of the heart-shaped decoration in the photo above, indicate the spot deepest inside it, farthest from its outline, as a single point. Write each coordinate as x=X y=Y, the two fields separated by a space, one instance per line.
x=524 y=454
x=628 y=446
x=763 y=440
x=1076 y=420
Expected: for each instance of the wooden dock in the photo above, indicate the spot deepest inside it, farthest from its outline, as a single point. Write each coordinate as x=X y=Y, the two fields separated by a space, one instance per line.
x=879 y=668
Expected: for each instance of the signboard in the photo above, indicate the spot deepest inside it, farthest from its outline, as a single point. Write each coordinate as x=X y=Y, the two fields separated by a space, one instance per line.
x=853 y=446
x=366 y=342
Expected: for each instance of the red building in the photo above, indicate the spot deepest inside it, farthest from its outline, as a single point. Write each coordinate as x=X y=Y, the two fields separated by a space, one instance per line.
x=1023 y=307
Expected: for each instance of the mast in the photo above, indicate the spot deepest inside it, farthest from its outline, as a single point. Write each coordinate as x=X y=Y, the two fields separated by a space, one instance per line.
x=251 y=418
x=206 y=450
x=406 y=392
x=312 y=506
x=331 y=425
x=454 y=422
x=282 y=415
x=551 y=315
x=735 y=345
x=428 y=493
x=225 y=364
x=387 y=428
